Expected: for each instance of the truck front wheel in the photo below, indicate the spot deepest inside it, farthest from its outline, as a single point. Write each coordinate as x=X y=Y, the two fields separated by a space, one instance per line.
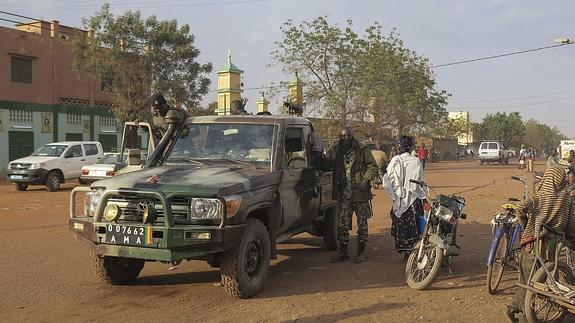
x=329 y=229
x=245 y=267
x=116 y=270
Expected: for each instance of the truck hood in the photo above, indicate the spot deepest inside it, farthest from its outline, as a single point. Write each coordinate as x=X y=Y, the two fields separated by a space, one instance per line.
x=34 y=159
x=198 y=180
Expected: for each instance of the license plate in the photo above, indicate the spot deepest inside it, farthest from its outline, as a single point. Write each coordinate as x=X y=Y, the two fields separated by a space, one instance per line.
x=127 y=235
x=99 y=173
x=16 y=177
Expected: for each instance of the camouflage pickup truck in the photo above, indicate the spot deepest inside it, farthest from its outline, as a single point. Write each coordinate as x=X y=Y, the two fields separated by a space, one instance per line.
x=224 y=189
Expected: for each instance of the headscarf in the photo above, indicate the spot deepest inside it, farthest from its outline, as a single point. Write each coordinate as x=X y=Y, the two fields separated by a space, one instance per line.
x=405 y=144
x=550 y=205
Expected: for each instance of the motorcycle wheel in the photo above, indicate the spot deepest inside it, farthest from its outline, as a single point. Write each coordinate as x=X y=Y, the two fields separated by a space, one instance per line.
x=496 y=269
x=539 y=308
x=420 y=273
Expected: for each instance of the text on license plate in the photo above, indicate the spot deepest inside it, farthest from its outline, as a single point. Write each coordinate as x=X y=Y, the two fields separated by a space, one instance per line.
x=16 y=177
x=127 y=235
x=99 y=172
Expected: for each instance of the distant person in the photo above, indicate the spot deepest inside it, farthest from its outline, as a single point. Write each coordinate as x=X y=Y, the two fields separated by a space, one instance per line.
x=530 y=157
x=571 y=182
x=422 y=154
x=380 y=159
x=407 y=197
x=571 y=158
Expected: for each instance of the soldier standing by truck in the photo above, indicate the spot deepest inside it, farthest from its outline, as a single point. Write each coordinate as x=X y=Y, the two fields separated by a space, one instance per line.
x=353 y=168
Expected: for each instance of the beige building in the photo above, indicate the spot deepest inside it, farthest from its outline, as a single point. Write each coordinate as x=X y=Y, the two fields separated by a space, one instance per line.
x=229 y=86
x=466 y=138
x=41 y=98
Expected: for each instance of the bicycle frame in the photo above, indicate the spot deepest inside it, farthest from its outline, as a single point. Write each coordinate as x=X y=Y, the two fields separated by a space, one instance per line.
x=514 y=231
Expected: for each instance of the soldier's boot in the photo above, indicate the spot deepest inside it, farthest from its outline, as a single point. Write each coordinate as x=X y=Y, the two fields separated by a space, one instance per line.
x=341 y=255
x=360 y=257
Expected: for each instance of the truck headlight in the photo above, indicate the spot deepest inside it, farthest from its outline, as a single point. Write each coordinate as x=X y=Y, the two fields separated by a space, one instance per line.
x=36 y=166
x=91 y=200
x=203 y=208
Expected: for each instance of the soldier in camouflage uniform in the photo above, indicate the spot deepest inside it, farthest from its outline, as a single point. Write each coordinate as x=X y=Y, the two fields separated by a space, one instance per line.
x=354 y=168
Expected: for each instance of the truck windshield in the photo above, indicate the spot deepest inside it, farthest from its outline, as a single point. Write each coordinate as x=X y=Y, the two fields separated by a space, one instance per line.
x=232 y=142
x=50 y=151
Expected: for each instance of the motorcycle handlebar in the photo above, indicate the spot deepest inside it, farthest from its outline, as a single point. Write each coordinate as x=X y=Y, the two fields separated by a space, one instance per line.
x=422 y=183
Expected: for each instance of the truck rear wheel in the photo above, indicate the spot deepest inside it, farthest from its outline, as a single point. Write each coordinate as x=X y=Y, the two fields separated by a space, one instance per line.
x=245 y=267
x=116 y=270
x=329 y=229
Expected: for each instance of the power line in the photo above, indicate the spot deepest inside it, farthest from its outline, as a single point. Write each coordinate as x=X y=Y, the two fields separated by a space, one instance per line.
x=521 y=105
x=500 y=55
x=514 y=99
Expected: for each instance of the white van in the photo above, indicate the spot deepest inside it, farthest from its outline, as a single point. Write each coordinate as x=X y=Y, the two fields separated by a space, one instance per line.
x=53 y=164
x=493 y=151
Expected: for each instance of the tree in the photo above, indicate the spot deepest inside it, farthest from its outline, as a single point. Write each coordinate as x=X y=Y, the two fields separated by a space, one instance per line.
x=140 y=56
x=452 y=128
x=348 y=77
x=542 y=136
x=198 y=110
x=508 y=128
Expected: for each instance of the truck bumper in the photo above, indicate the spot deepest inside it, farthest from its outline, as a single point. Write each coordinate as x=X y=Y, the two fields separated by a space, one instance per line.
x=166 y=244
x=28 y=176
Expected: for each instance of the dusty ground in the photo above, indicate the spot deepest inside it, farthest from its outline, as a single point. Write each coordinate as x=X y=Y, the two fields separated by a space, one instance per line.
x=45 y=274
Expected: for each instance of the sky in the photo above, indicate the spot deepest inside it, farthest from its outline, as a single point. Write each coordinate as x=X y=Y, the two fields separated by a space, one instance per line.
x=538 y=84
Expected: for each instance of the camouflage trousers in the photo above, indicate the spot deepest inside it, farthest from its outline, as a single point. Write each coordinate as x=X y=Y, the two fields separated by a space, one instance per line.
x=345 y=210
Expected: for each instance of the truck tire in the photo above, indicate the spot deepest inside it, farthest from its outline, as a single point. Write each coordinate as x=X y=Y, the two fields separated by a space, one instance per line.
x=21 y=186
x=329 y=229
x=245 y=267
x=116 y=270
x=53 y=181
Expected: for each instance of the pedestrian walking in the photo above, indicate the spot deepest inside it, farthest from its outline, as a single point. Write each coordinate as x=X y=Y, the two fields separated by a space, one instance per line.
x=530 y=157
x=353 y=170
x=571 y=158
x=522 y=156
x=408 y=197
x=380 y=159
x=422 y=154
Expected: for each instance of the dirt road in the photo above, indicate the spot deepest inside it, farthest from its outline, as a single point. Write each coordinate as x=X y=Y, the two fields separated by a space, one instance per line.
x=46 y=275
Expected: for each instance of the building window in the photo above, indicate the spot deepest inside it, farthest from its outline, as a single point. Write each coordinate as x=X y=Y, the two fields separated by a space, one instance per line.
x=74 y=118
x=21 y=69
x=107 y=121
x=21 y=116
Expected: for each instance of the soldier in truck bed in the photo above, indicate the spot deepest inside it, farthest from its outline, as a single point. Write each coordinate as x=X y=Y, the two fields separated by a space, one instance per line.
x=353 y=168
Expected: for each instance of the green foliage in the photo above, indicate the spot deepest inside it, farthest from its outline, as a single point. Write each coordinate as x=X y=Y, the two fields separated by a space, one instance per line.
x=140 y=56
x=508 y=128
x=541 y=136
x=452 y=128
x=349 y=77
x=198 y=110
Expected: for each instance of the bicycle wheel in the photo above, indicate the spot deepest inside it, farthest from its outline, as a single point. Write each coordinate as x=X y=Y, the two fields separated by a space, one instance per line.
x=495 y=270
x=539 y=308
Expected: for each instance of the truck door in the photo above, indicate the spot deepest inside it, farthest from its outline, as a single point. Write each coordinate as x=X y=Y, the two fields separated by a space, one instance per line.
x=74 y=159
x=299 y=185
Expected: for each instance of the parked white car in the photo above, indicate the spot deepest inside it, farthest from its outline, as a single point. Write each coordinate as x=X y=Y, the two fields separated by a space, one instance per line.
x=53 y=164
x=493 y=151
x=108 y=166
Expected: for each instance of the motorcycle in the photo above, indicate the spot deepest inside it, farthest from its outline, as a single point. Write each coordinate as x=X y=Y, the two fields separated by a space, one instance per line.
x=437 y=243
x=378 y=180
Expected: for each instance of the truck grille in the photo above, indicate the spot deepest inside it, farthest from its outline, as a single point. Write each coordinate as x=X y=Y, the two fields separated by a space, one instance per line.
x=131 y=208
x=18 y=166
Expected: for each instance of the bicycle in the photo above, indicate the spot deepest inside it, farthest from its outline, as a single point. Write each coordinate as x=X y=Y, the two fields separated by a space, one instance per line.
x=506 y=232
x=549 y=299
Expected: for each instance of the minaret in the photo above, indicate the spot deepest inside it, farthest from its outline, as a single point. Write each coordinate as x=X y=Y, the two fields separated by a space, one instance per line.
x=263 y=104
x=229 y=86
x=296 y=91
